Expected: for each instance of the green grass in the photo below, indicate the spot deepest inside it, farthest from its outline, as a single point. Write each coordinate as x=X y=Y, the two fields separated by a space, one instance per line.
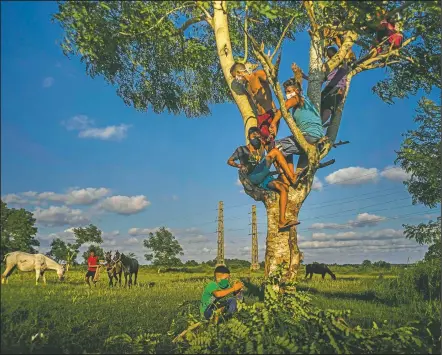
x=77 y=319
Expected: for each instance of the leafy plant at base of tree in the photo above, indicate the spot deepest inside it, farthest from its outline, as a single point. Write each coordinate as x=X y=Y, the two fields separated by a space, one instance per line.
x=288 y=323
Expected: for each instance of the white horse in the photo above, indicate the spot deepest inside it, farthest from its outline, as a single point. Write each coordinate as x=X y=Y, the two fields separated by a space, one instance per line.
x=29 y=262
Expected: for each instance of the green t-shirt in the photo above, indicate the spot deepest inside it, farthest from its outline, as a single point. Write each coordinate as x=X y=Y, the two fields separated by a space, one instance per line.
x=207 y=297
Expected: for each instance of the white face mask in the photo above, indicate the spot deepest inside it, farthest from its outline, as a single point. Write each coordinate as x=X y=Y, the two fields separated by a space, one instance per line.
x=239 y=78
x=292 y=94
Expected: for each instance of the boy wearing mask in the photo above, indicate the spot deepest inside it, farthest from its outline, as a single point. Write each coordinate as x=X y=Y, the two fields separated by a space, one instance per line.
x=257 y=164
x=218 y=294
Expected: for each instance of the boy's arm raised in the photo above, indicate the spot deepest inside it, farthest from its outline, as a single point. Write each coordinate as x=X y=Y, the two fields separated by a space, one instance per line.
x=222 y=293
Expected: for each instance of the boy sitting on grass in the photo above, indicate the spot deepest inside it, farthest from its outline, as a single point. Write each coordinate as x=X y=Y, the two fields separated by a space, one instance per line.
x=219 y=294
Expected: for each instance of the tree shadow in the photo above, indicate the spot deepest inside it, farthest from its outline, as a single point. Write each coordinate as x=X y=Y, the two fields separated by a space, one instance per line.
x=364 y=296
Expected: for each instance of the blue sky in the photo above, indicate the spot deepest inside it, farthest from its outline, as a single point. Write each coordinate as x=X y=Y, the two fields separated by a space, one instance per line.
x=80 y=155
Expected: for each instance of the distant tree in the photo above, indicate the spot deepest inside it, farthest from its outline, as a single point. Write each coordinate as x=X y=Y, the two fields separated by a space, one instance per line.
x=17 y=230
x=382 y=264
x=97 y=250
x=191 y=263
x=89 y=234
x=131 y=255
x=366 y=263
x=420 y=155
x=237 y=263
x=59 y=250
x=165 y=248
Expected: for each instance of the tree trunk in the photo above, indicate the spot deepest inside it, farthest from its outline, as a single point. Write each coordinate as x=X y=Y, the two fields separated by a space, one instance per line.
x=335 y=121
x=224 y=48
x=316 y=75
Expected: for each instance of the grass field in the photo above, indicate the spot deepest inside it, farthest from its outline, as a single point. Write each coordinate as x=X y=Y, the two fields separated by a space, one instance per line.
x=74 y=318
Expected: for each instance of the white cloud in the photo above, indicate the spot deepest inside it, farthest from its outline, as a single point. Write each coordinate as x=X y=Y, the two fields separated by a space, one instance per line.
x=395 y=174
x=85 y=126
x=106 y=133
x=353 y=176
x=59 y=216
x=80 y=122
x=125 y=205
x=393 y=244
x=144 y=231
x=132 y=240
x=48 y=82
x=362 y=220
x=387 y=233
x=366 y=219
x=317 y=184
x=14 y=199
x=86 y=196
x=196 y=240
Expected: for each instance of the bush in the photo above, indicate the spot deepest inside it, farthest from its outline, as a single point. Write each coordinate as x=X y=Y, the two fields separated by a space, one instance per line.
x=289 y=323
x=421 y=281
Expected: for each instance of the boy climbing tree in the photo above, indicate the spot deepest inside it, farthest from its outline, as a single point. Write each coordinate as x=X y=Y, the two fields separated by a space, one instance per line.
x=256 y=164
x=258 y=89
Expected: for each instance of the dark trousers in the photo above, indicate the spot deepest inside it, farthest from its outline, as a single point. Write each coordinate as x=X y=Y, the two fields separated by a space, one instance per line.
x=230 y=305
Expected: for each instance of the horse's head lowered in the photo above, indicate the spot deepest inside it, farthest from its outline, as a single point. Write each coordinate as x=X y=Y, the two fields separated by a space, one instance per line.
x=60 y=272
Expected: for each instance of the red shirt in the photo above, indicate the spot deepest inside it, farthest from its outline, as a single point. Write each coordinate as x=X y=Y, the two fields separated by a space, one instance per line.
x=92 y=260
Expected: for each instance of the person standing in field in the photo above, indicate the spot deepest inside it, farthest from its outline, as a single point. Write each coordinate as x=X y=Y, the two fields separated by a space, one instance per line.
x=220 y=294
x=92 y=265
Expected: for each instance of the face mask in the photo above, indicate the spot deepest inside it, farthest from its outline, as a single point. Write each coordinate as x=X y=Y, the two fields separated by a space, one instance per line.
x=256 y=143
x=239 y=78
x=224 y=283
x=292 y=94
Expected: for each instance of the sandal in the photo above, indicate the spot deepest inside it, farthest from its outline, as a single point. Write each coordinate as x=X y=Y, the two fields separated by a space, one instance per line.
x=299 y=177
x=288 y=225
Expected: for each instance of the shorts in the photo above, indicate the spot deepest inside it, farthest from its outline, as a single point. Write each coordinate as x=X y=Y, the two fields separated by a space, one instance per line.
x=260 y=175
x=264 y=122
x=288 y=145
x=331 y=101
x=90 y=273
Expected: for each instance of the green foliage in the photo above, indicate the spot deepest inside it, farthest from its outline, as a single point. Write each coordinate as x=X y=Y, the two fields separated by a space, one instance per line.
x=59 y=250
x=421 y=281
x=165 y=248
x=191 y=263
x=289 y=323
x=381 y=264
x=366 y=263
x=420 y=155
x=124 y=344
x=17 y=230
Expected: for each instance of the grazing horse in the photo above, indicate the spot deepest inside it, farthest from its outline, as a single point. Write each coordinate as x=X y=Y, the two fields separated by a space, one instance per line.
x=114 y=269
x=130 y=266
x=318 y=269
x=29 y=262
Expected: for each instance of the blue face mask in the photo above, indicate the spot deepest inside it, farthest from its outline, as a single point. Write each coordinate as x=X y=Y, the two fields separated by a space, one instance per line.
x=224 y=283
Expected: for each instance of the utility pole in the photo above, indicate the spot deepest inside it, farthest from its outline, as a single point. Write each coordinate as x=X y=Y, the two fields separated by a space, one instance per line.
x=255 y=263
x=220 y=256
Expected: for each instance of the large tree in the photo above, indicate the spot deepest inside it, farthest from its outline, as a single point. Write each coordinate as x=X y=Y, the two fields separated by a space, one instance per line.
x=175 y=56
x=18 y=230
x=59 y=250
x=164 y=248
x=420 y=155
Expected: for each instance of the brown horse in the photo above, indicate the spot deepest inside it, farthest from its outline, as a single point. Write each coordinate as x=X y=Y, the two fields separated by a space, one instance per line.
x=114 y=269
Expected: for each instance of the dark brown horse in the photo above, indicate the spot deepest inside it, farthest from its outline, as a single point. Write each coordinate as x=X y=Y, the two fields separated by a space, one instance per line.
x=130 y=266
x=114 y=269
x=321 y=269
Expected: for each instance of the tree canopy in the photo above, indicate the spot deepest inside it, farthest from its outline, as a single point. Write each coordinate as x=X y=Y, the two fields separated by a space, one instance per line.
x=420 y=155
x=17 y=230
x=165 y=248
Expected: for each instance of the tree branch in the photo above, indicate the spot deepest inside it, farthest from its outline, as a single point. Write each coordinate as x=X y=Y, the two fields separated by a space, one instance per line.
x=281 y=39
x=246 y=45
x=339 y=57
x=308 y=4
x=189 y=23
x=370 y=63
x=208 y=17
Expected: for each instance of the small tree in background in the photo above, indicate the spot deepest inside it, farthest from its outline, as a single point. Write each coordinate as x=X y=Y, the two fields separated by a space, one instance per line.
x=59 y=250
x=165 y=248
x=366 y=263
